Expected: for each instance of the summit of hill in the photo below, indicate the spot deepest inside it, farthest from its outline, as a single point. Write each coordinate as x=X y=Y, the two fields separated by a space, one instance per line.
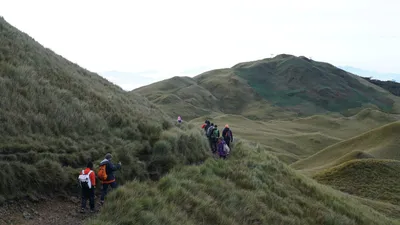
x=284 y=86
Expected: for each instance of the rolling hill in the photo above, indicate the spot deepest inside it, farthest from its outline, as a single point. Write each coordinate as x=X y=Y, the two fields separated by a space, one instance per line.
x=299 y=138
x=281 y=87
x=55 y=116
x=380 y=143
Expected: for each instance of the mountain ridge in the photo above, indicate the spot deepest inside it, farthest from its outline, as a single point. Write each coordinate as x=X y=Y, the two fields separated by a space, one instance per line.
x=286 y=84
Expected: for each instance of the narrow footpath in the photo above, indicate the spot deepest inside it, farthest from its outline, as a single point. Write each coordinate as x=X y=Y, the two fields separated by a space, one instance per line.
x=60 y=211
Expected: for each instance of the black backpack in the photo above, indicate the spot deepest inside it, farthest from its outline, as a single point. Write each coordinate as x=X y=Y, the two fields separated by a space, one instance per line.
x=209 y=131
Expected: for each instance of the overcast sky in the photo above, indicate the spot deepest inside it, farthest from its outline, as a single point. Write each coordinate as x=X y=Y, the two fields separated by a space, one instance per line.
x=159 y=39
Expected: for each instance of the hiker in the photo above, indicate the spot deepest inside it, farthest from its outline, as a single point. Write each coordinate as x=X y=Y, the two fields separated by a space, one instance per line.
x=206 y=125
x=179 y=119
x=227 y=134
x=223 y=149
x=208 y=134
x=106 y=175
x=214 y=138
x=87 y=180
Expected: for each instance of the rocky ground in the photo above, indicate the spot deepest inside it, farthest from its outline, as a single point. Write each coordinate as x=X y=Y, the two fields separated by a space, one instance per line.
x=48 y=211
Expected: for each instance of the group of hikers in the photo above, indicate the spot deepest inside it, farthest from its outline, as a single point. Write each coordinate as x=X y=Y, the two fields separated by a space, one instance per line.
x=219 y=144
x=87 y=181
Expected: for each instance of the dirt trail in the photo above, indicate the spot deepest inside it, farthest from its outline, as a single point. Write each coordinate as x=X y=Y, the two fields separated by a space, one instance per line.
x=58 y=211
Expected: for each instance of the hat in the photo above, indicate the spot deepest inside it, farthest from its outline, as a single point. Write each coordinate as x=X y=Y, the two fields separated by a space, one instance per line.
x=108 y=156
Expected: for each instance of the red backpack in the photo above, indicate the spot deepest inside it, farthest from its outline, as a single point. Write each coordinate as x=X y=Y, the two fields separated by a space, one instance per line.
x=102 y=173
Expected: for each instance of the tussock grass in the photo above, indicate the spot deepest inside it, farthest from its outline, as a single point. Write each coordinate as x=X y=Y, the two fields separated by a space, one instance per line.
x=55 y=116
x=374 y=179
x=252 y=187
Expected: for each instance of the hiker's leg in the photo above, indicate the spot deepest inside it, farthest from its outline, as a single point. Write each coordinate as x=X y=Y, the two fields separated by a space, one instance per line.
x=214 y=149
x=104 y=192
x=227 y=141
x=91 y=198
x=84 y=198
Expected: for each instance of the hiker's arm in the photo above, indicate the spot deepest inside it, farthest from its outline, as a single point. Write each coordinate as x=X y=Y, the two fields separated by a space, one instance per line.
x=92 y=177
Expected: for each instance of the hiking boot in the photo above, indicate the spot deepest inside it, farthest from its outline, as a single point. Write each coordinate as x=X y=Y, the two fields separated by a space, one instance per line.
x=92 y=211
x=82 y=210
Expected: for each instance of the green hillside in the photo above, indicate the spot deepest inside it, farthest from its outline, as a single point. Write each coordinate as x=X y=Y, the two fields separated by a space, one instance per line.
x=281 y=87
x=212 y=94
x=54 y=116
x=381 y=143
x=370 y=178
x=299 y=83
x=250 y=188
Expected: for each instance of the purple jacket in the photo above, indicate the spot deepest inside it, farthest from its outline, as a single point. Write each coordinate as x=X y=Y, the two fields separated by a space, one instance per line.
x=220 y=148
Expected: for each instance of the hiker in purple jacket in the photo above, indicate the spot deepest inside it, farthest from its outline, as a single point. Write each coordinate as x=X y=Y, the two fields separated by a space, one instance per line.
x=221 y=148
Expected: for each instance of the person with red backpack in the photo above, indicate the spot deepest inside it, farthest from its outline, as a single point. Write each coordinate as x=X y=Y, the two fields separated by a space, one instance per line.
x=106 y=175
x=87 y=181
x=227 y=134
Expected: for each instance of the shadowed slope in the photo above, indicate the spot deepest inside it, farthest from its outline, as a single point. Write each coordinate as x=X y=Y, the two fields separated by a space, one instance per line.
x=55 y=116
x=308 y=86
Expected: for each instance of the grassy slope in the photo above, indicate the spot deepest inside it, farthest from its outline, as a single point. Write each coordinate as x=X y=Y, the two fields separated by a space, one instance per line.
x=252 y=187
x=212 y=93
x=380 y=143
x=54 y=116
x=280 y=87
x=391 y=86
x=296 y=139
x=370 y=178
x=180 y=96
x=307 y=86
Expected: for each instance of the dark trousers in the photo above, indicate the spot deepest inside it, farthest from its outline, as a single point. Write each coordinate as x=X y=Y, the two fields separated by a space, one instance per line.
x=105 y=187
x=214 y=144
x=228 y=142
x=88 y=194
x=211 y=144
